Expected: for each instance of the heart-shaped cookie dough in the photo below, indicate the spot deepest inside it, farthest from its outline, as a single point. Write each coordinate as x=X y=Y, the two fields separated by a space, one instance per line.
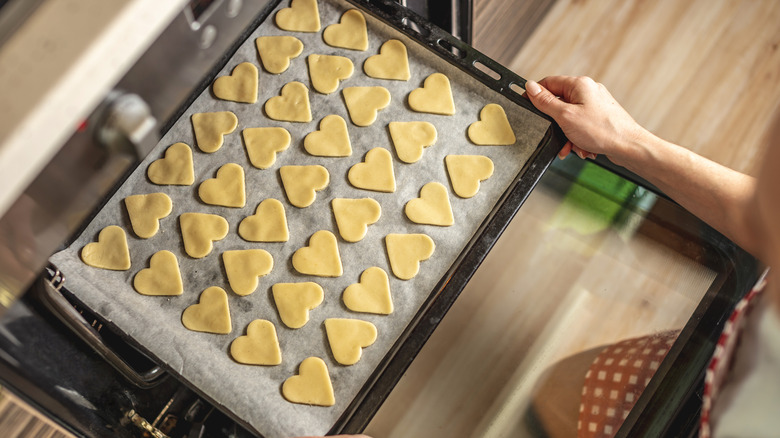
x=410 y=138
x=211 y=314
x=199 y=230
x=262 y=145
x=327 y=71
x=432 y=207
x=493 y=127
x=227 y=189
x=392 y=62
x=295 y=300
x=353 y=216
x=210 y=129
x=466 y=172
x=349 y=33
x=371 y=294
x=320 y=258
x=374 y=173
x=268 y=224
x=244 y=267
x=145 y=212
x=162 y=277
x=175 y=168
x=276 y=52
x=406 y=251
x=434 y=97
x=348 y=338
x=259 y=346
x=311 y=386
x=109 y=252
x=332 y=139
x=301 y=16
x=301 y=183
x=292 y=104
x=240 y=86
x=363 y=103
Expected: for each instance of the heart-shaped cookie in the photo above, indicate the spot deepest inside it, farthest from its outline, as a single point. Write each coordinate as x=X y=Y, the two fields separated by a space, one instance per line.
x=227 y=189
x=363 y=103
x=434 y=97
x=199 y=230
x=311 y=386
x=348 y=338
x=371 y=294
x=162 y=277
x=392 y=62
x=493 y=127
x=276 y=52
x=175 y=168
x=466 y=172
x=295 y=300
x=432 y=207
x=327 y=71
x=374 y=173
x=332 y=139
x=259 y=346
x=210 y=129
x=353 y=216
x=301 y=16
x=244 y=267
x=320 y=258
x=211 y=314
x=145 y=212
x=349 y=33
x=406 y=251
x=109 y=252
x=410 y=138
x=239 y=86
x=268 y=224
x=292 y=104
x=262 y=145
x=301 y=183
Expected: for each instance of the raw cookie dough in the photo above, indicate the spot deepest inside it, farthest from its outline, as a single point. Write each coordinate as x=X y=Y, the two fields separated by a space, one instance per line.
x=301 y=183
x=259 y=346
x=175 y=168
x=332 y=139
x=268 y=224
x=432 y=207
x=244 y=267
x=276 y=52
x=434 y=97
x=353 y=216
x=410 y=138
x=406 y=251
x=145 y=212
x=227 y=189
x=292 y=104
x=391 y=62
x=371 y=294
x=199 y=230
x=262 y=145
x=239 y=86
x=375 y=172
x=109 y=252
x=311 y=386
x=466 y=171
x=320 y=258
x=295 y=300
x=162 y=277
x=348 y=338
x=363 y=103
x=493 y=128
x=349 y=33
x=211 y=314
x=210 y=129
x=301 y=16
x=327 y=71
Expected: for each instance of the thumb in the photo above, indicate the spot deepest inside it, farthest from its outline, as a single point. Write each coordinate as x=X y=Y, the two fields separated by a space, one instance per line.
x=542 y=99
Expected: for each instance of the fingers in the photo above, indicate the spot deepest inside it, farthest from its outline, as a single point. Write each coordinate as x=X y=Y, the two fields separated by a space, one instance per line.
x=544 y=100
x=560 y=85
x=565 y=150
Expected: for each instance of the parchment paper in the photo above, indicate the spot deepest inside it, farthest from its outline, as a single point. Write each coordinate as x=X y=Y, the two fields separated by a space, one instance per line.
x=253 y=393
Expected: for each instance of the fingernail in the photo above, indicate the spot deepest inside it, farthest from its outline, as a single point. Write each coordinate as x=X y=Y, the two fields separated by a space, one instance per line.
x=592 y=156
x=532 y=88
x=561 y=156
x=581 y=154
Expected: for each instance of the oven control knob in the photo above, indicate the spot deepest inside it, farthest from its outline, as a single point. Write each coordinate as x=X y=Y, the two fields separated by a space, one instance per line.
x=125 y=124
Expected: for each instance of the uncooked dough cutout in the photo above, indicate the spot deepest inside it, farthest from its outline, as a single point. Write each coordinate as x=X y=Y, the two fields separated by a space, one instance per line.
x=348 y=338
x=276 y=52
x=320 y=258
x=199 y=230
x=432 y=207
x=375 y=172
x=406 y=251
x=434 y=97
x=295 y=300
x=244 y=267
x=331 y=140
x=326 y=72
x=410 y=138
x=353 y=216
x=260 y=345
x=210 y=129
x=268 y=224
x=349 y=33
x=466 y=172
x=301 y=16
x=292 y=104
x=363 y=103
x=262 y=145
x=145 y=212
x=227 y=189
x=371 y=294
x=239 y=86
x=109 y=252
x=493 y=127
x=392 y=62
x=175 y=168
x=162 y=277
x=211 y=314
x=312 y=385
x=301 y=183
